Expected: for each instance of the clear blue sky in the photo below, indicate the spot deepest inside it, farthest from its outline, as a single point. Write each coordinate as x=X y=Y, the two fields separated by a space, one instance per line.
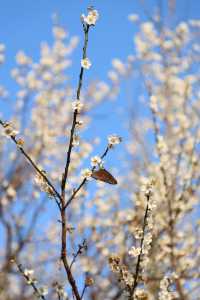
x=25 y=23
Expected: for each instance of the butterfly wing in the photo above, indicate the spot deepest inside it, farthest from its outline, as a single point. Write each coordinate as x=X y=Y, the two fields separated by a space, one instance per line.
x=104 y=176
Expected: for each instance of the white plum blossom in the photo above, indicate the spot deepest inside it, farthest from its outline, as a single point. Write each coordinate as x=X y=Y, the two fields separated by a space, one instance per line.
x=85 y=63
x=96 y=161
x=164 y=293
x=22 y=59
x=9 y=130
x=28 y=272
x=134 y=251
x=43 y=290
x=86 y=173
x=76 y=140
x=91 y=18
x=114 y=140
x=77 y=105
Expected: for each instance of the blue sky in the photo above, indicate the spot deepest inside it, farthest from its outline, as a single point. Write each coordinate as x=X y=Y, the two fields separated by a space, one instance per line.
x=25 y=23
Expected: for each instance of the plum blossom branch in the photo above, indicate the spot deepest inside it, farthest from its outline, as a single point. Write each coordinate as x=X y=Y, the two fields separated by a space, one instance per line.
x=40 y=292
x=12 y=134
x=137 y=269
x=85 y=64
x=86 y=28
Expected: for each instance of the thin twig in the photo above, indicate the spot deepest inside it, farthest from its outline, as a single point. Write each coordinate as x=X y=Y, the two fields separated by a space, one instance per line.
x=84 y=181
x=74 y=121
x=29 y=281
x=83 y=291
x=13 y=138
x=81 y=247
x=137 y=269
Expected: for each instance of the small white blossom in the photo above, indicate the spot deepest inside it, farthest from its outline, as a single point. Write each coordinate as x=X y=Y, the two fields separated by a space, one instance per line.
x=28 y=272
x=76 y=140
x=164 y=293
x=86 y=173
x=77 y=105
x=43 y=290
x=11 y=192
x=79 y=123
x=95 y=161
x=9 y=130
x=22 y=59
x=134 y=251
x=85 y=63
x=44 y=186
x=114 y=140
x=91 y=18
x=147 y=185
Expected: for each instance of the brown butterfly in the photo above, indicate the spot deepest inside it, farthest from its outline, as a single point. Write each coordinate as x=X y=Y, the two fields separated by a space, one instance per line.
x=104 y=176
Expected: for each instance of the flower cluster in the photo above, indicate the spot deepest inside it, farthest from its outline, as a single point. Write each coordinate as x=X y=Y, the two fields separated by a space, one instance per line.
x=59 y=290
x=28 y=274
x=124 y=276
x=134 y=251
x=9 y=131
x=77 y=105
x=42 y=183
x=164 y=293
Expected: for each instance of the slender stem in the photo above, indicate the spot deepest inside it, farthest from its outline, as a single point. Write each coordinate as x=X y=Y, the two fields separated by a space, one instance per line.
x=36 y=290
x=34 y=165
x=137 y=269
x=78 y=252
x=74 y=121
x=64 y=256
x=83 y=291
x=65 y=176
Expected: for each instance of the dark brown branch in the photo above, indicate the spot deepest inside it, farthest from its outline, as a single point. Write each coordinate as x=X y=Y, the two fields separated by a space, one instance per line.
x=64 y=256
x=65 y=175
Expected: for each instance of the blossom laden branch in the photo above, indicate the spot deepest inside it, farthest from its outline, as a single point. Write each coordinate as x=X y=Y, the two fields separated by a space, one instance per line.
x=137 y=269
x=27 y=273
x=10 y=132
x=85 y=64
